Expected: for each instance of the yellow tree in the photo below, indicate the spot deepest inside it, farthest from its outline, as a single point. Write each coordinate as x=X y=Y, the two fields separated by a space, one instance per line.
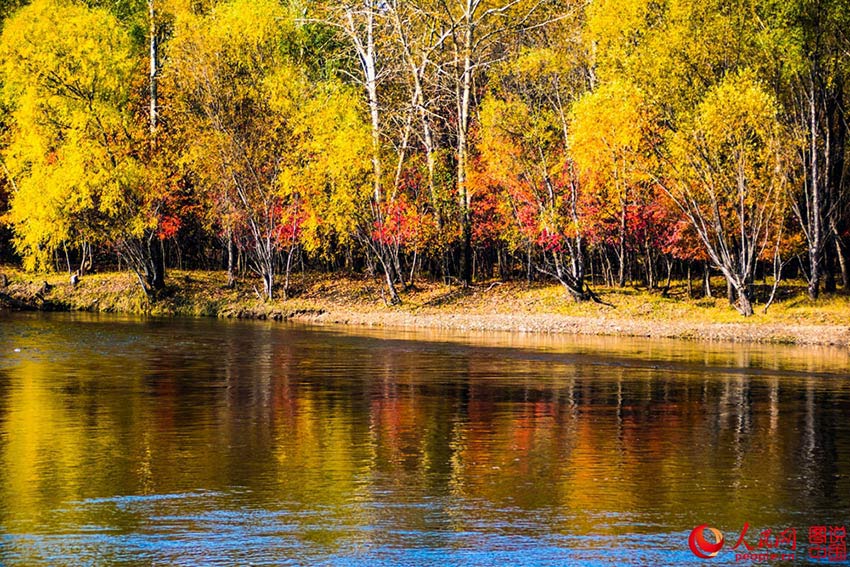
x=76 y=152
x=729 y=164
x=612 y=143
x=251 y=121
x=329 y=178
x=523 y=139
x=652 y=45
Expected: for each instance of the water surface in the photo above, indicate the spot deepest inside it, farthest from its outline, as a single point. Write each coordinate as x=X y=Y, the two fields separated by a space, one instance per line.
x=204 y=442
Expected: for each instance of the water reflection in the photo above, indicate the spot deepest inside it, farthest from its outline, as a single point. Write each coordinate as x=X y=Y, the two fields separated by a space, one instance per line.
x=193 y=442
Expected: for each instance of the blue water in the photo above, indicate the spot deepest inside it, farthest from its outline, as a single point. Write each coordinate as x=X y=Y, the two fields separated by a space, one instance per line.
x=195 y=442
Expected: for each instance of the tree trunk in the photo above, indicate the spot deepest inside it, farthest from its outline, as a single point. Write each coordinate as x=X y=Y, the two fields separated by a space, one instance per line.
x=743 y=304
x=288 y=271
x=738 y=290
x=231 y=279
x=466 y=250
x=67 y=258
x=841 y=252
x=814 y=208
x=82 y=269
x=394 y=298
x=609 y=270
x=372 y=89
x=156 y=274
x=829 y=284
x=153 y=75
x=621 y=280
x=464 y=101
x=650 y=269
x=268 y=284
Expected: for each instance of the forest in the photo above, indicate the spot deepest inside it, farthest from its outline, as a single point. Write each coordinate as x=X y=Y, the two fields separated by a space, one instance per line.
x=587 y=142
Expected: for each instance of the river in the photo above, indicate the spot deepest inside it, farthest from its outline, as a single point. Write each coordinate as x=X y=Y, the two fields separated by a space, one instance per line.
x=204 y=442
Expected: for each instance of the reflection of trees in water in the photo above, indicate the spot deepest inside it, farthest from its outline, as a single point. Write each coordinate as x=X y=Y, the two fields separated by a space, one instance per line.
x=338 y=423
x=824 y=452
x=520 y=432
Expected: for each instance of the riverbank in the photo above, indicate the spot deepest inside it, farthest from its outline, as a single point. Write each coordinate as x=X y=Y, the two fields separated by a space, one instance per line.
x=492 y=306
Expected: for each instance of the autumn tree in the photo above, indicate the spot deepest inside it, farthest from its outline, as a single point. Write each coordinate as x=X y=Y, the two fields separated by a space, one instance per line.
x=252 y=121
x=472 y=36
x=613 y=144
x=76 y=152
x=814 y=72
x=524 y=141
x=651 y=45
x=728 y=170
x=421 y=39
x=366 y=28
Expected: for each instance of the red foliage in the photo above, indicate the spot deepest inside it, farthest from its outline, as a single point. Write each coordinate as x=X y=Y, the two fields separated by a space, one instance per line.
x=169 y=226
x=291 y=219
x=654 y=220
x=403 y=223
x=172 y=204
x=488 y=224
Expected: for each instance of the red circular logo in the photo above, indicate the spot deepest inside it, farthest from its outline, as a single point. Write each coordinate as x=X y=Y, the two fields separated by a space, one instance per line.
x=700 y=546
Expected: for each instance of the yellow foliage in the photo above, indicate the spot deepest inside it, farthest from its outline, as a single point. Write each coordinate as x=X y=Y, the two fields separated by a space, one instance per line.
x=733 y=150
x=69 y=154
x=268 y=143
x=611 y=138
x=729 y=165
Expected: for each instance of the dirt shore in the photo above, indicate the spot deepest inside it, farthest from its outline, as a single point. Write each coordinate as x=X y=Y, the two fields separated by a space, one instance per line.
x=542 y=323
x=493 y=306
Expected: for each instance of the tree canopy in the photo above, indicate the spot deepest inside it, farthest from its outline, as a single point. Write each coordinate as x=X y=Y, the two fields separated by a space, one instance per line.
x=591 y=142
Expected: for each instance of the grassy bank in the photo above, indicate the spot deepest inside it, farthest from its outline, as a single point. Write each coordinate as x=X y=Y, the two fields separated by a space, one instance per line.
x=513 y=306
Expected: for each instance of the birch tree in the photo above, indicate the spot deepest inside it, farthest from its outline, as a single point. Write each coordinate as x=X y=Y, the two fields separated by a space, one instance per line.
x=252 y=119
x=77 y=156
x=729 y=169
